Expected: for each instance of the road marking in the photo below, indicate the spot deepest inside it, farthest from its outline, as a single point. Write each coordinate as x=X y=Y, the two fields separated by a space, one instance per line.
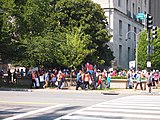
x=130 y=107
x=33 y=112
x=125 y=107
x=80 y=110
x=87 y=118
x=124 y=110
x=37 y=103
x=110 y=114
x=144 y=104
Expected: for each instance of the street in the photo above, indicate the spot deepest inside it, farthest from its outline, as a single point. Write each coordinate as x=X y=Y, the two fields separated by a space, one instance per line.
x=78 y=105
x=47 y=105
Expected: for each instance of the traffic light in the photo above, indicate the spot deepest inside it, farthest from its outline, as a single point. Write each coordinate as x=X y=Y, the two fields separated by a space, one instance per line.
x=149 y=22
x=154 y=32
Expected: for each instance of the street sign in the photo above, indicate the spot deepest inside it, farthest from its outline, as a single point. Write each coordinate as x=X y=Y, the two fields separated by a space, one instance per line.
x=148 y=63
x=132 y=64
x=140 y=16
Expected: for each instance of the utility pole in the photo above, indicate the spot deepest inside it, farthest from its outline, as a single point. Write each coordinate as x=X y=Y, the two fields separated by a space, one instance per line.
x=149 y=56
x=149 y=27
x=137 y=34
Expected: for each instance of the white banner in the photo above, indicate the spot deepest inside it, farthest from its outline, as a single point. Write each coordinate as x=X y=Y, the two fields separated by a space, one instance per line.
x=41 y=78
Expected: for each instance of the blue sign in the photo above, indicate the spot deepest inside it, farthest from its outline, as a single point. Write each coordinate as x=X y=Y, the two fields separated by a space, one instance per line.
x=140 y=16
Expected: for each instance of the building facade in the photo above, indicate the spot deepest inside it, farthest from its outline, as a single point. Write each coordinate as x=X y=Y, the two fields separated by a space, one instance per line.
x=123 y=25
x=154 y=11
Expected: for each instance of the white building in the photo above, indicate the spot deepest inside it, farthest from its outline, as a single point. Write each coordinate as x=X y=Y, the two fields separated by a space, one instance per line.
x=121 y=15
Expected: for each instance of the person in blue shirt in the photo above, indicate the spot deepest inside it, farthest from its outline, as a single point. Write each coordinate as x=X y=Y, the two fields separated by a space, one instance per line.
x=79 y=80
x=139 y=80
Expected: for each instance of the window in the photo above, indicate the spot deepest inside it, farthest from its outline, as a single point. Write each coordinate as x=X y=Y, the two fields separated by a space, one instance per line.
x=135 y=30
x=129 y=29
x=145 y=2
x=120 y=54
x=120 y=28
x=119 y=3
x=127 y=5
x=139 y=9
x=133 y=9
x=129 y=54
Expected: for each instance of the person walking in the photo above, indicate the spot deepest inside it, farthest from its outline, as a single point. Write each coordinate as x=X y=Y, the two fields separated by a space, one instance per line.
x=149 y=82
x=33 y=77
x=108 y=80
x=156 y=78
x=79 y=80
x=46 y=78
x=14 y=77
x=9 y=78
x=138 y=80
x=86 y=80
x=99 y=80
x=129 y=79
x=94 y=80
x=59 y=79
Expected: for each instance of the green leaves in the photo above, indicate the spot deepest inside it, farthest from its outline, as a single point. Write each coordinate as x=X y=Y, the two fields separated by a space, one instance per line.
x=73 y=50
x=143 y=51
x=69 y=31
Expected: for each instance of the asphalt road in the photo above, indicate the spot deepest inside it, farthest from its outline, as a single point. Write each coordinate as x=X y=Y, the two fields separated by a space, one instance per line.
x=47 y=104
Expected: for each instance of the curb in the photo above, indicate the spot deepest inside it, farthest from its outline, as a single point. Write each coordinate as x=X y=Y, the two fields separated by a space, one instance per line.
x=15 y=89
x=109 y=93
x=101 y=92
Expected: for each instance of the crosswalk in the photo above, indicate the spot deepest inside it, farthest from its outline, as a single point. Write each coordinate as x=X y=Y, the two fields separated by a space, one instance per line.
x=139 y=107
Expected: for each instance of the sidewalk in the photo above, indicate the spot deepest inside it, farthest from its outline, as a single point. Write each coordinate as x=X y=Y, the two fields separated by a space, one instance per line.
x=105 y=92
x=138 y=92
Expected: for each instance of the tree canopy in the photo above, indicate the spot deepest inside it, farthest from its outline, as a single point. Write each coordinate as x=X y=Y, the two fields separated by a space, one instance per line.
x=65 y=32
x=143 y=51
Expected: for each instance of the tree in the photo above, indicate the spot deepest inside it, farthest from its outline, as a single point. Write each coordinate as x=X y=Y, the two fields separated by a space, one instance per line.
x=73 y=50
x=41 y=29
x=155 y=56
x=7 y=29
x=91 y=17
x=143 y=51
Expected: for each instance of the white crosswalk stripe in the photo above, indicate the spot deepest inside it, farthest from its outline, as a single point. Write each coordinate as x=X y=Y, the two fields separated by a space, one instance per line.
x=140 y=107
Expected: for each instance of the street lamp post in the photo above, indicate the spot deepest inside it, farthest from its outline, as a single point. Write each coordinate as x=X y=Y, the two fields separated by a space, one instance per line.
x=136 y=46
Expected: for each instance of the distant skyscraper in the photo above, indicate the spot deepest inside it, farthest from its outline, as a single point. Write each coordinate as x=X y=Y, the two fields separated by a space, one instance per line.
x=121 y=15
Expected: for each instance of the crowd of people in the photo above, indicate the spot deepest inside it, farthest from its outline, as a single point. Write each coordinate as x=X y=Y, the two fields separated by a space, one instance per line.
x=151 y=79
x=88 y=77
x=51 y=78
x=12 y=76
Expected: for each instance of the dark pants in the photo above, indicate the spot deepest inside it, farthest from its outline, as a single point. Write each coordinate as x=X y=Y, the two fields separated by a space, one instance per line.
x=140 y=85
x=60 y=84
x=33 y=83
x=94 y=85
x=86 y=84
x=79 y=84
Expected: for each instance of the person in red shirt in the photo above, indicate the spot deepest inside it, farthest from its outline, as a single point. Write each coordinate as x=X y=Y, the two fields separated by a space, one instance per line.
x=89 y=68
x=33 y=76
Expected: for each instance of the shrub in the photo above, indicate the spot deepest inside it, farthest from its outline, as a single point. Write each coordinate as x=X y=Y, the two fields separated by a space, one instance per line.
x=118 y=77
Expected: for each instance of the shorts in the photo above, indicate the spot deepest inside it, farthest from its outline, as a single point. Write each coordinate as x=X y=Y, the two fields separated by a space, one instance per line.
x=156 y=81
x=149 y=85
x=90 y=72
